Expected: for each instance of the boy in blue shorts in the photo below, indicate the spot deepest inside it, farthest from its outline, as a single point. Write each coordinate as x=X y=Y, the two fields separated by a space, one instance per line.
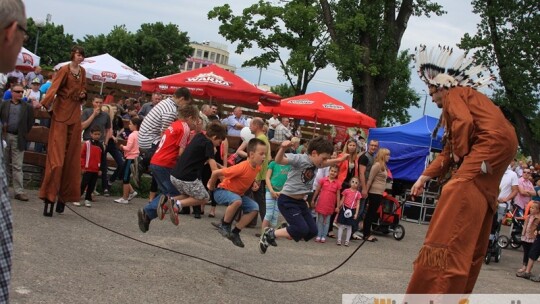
x=291 y=201
x=230 y=192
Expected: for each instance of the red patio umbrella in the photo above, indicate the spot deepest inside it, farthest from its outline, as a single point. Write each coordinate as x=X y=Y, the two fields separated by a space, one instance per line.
x=212 y=82
x=320 y=108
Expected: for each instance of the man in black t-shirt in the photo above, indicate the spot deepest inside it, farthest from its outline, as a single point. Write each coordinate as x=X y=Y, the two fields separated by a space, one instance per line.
x=365 y=162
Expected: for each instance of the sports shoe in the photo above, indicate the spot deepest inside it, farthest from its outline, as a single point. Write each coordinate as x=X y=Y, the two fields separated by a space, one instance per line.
x=106 y=193
x=144 y=222
x=78 y=204
x=132 y=195
x=162 y=207
x=96 y=193
x=173 y=212
x=121 y=201
x=88 y=203
x=224 y=230
x=267 y=238
x=235 y=239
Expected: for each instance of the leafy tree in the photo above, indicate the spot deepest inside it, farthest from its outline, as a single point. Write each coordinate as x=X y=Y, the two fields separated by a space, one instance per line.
x=296 y=27
x=154 y=50
x=508 y=38
x=54 y=45
x=400 y=95
x=160 y=49
x=366 y=37
x=284 y=90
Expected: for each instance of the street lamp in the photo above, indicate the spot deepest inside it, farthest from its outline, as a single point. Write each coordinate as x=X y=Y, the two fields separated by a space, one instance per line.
x=425 y=100
x=39 y=24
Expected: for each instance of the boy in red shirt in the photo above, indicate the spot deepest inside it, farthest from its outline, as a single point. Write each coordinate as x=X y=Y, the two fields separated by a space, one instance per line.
x=90 y=162
x=172 y=145
x=230 y=192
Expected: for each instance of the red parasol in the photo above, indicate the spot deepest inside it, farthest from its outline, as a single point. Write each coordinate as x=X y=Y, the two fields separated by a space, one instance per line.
x=320 y=108
x=212 y=82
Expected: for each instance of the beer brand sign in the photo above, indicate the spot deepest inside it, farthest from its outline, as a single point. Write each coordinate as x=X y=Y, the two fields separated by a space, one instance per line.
x=209 y=78
x=163 y=87
x=98 y=78
x=332 y=106
x=27 y=59
x=301 y=102
x=107 y=74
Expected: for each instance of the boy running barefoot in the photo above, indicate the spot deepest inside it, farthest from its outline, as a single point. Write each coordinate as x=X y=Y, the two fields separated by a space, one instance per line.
x=230 y=192
x=291 y=201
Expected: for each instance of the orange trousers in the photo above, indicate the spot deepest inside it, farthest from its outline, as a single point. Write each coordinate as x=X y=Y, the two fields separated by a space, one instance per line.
x=456 y=242
x=62 y=177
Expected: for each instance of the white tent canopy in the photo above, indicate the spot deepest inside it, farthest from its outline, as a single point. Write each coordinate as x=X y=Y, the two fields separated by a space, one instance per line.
x=106 y=68
x=27 y=60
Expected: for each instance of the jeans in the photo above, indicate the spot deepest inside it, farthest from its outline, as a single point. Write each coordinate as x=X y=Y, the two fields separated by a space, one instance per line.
x=163 y=179
x=117 y=156
x=323 y=223
x=226 y=197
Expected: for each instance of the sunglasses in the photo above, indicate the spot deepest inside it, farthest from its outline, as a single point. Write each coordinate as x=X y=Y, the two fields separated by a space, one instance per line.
x=22 y=29
x=19 y=92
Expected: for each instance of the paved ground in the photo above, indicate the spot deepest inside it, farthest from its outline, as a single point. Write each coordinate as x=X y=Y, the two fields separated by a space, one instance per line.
x=66 y=259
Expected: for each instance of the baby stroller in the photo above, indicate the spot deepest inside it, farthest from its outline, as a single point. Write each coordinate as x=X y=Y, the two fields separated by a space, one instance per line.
x=494 y=250
x=389 y=215
x=513 y=219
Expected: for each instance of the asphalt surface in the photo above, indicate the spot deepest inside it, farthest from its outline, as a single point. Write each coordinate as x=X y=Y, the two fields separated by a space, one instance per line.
x=67 y=259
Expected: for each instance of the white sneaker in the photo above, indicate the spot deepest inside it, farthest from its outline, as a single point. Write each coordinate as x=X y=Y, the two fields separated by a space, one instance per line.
x=78 y=204
x=121 y=201
x=132 y=195
x=96 y=193
x=88 y=203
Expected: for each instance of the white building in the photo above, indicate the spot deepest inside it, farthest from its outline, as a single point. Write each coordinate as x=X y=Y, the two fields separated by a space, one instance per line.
x=207 y=53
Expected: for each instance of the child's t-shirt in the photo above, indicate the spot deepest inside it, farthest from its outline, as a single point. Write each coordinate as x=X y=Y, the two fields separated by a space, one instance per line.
x=239 y=178
x=350 y=198
x=301 y=176
x=131 y=149
x=191 y=163
x=279 y=175
x=176 y=136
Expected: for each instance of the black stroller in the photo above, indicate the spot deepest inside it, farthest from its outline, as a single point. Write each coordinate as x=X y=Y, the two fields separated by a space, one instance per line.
x=494 y=249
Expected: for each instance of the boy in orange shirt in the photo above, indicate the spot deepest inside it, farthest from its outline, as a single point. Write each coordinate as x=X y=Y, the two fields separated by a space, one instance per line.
x=230 y=192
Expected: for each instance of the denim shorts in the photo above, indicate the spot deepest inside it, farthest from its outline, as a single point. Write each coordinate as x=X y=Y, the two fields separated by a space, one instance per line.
x=226 y=197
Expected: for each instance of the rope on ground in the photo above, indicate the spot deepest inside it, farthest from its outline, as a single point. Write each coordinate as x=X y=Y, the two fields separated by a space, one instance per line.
x=217 y=264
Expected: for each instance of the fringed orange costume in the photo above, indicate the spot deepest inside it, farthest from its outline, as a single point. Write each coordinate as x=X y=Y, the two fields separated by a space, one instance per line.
x=62 y=177
x=484 y=142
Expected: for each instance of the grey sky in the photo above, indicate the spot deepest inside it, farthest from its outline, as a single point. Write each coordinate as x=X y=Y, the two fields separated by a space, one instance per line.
x=82 y=17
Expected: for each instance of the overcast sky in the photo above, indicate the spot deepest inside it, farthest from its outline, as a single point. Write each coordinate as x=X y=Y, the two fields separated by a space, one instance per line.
x=82 y=17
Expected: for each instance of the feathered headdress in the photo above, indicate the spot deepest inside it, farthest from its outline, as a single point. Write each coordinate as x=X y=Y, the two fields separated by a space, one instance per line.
x=432 y=69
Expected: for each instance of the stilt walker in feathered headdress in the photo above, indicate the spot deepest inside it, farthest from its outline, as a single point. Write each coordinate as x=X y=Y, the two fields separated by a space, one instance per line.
x=480 y=143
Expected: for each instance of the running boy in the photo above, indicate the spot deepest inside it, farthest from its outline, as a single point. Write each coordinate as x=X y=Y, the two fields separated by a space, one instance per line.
x=291 y=201
x=187 y=174
x=237 y=180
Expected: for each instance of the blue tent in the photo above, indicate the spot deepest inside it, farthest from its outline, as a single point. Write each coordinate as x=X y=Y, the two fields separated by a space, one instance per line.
x=409 y=146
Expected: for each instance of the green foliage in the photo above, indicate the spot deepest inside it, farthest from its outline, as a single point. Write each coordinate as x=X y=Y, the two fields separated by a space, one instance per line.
x=400 y=95
x=54 y=45
x=292 y=35
x=154 y=50
x=366 y=37
x=507 y=37
x=284 y=90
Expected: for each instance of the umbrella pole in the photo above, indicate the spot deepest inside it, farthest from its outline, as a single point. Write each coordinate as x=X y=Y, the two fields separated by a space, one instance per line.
x=101 y=89
x=314 y=128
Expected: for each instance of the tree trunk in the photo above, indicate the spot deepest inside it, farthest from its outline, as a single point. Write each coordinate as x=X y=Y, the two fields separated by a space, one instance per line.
x=526 y=136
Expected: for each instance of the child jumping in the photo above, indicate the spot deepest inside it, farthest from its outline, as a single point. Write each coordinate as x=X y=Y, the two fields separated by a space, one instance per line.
x=348 y=210
x=291 y=201
x=187 y=174
x=325 y=200
x=90 y=162
x=231 y=191
x=131 y=152
x=276 y=175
